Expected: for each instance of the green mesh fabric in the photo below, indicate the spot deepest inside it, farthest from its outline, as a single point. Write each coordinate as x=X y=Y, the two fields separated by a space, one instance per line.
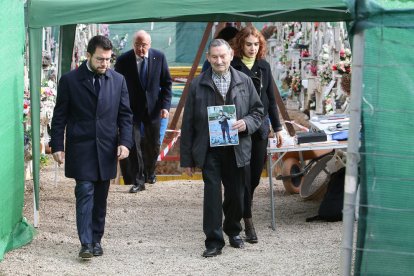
x=385 y=243
x=14 y=230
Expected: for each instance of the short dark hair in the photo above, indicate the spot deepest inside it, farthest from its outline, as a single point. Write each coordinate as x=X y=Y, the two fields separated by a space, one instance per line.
x=99 y=41
x=227 y=33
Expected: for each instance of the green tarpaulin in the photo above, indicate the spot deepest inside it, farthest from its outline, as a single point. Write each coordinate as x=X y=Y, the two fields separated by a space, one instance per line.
x=63 y=12
x=385 y=242
x=14 y=230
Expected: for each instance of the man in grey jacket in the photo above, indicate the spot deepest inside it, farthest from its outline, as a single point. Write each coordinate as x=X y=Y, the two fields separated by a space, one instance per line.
x=220 y=85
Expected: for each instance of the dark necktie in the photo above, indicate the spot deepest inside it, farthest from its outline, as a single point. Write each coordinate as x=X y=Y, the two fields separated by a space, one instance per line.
x=97 y=84
x=143 y=73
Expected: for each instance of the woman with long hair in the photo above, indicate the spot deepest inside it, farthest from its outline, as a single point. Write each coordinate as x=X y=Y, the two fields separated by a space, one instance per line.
x=249 y=48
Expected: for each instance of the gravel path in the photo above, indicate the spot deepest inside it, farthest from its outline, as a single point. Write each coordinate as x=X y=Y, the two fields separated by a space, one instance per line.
x=159 y=232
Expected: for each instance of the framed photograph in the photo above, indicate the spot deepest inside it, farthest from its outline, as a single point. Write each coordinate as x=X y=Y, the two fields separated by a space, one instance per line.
x=220 y=121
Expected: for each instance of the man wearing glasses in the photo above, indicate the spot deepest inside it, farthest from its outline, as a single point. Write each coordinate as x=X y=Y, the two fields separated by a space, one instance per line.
x=149 y=85
x=92 y=111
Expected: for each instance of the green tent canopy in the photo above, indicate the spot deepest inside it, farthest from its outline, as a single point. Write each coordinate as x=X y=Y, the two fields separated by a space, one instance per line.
x=64 y=12
x=68 y=13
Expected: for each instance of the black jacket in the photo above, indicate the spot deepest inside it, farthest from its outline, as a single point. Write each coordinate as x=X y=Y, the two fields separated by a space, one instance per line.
x=262 y=77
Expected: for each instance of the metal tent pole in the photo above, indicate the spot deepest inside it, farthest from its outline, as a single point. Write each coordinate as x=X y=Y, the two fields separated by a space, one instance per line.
x=35 y=61
x=353 y=157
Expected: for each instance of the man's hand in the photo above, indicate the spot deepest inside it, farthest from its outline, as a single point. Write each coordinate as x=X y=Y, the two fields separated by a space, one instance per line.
x=189 y=171
x=123 y=152
x=279 y=139
x=240 y=125
x=164 y=113
x=59 y=157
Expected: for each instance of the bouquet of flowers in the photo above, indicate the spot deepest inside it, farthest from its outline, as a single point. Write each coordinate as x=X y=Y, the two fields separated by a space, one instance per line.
x=344 y=64
x=27 y=132
x=343 y=67
x=304 y=53
x=296 y=84
x=329 y=105
x=47 y=99
x=325 y=70
x=26 y=106
x=325 y=73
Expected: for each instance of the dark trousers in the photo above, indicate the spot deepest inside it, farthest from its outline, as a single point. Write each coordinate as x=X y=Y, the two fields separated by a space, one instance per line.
x=142 y=159
x=150 y=146
x=257 y=161
x=91 y=197
x=220 y=167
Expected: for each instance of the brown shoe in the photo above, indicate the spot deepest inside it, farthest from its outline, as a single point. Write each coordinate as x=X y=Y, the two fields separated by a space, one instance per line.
x=249 y=230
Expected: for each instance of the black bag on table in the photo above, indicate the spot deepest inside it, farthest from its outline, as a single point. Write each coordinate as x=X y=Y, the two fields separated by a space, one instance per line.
x=333 y=201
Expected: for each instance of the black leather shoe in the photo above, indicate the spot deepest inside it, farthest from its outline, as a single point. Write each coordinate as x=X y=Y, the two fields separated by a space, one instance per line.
x=212 y=252
x=86 y=251
x=137 y=187
x=251 y=236
x=97 y=249
x=151 y=179
x=236 y=242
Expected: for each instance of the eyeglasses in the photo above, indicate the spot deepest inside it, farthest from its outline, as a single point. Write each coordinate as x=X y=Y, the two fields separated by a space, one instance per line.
x=141 y=45
x=101 y=59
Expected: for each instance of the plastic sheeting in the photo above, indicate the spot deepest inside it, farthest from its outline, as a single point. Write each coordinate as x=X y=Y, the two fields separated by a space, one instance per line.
x=14 y=230
x=64 y=12
x=178 y=41
x=385 y=242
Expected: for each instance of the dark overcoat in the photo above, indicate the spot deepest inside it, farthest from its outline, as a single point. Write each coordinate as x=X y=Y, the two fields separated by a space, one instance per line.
x=194 y=140
x=95 y=124
x=158 y=94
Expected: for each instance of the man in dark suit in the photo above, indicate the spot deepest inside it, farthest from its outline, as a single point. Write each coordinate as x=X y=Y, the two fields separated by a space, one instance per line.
x=149 y=85
x=93 y=106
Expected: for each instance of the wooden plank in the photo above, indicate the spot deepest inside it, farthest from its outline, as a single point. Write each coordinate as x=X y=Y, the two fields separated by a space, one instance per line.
x=282 y=109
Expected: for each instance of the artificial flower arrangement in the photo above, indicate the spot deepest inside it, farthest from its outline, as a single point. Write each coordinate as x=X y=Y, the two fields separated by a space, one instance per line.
x=47 y=104
x=343 y=67
x=47 y=100
x=26 y=127
x=325 y=73
x=329 y=103
x=344 y=64
x=296 y=84
x=324 y=69
x=313 y=68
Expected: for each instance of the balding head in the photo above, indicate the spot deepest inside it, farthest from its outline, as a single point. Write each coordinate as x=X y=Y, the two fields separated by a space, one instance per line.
x=142 y=43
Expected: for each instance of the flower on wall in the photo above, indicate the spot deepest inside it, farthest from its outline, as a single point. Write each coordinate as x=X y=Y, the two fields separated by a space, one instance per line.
x=325 y=73
x=329 y=105
x=344 y=64
x=296 y=84
x=47 y=100
x=47 y=104
x=324 y=68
